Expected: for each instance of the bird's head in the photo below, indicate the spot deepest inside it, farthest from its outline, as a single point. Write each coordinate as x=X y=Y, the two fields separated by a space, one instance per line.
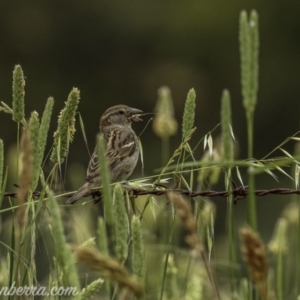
x=120 y=115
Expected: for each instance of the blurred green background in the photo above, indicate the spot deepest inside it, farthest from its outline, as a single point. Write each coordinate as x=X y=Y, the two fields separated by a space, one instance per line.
x=124 y=51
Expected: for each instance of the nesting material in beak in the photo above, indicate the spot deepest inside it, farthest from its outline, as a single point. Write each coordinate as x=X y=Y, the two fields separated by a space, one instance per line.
x=134 y=115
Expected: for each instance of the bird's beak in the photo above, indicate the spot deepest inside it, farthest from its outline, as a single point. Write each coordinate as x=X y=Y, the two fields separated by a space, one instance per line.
x=134 y=115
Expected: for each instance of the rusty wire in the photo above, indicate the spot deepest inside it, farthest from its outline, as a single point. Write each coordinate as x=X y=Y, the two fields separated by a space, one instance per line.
x=238 y=193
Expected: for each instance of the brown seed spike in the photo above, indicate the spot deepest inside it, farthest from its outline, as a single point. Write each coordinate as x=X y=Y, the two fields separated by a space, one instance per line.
x=25 y=176
x=255 y=256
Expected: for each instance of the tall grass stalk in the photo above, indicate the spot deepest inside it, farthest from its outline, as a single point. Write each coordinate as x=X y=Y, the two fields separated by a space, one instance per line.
x=25 y=177
x=64 y=255
x=31 y=270
x=2 y=189
x=245 y=289
x=105 y=181
x=278 y=246
x=188 y=220
x=103 y=248
x=23 y=195
x=165 y=267
x=279 y=276
x=187 y=129
x=11 y=255
x=228 y=156
x=42 y=138
x=138 y=256
x=249 y=49
x=172 y=290
x=121 y=226
x=34 y=125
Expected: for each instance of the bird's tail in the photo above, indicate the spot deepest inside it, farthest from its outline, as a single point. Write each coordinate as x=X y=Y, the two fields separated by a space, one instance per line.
x=80 y=193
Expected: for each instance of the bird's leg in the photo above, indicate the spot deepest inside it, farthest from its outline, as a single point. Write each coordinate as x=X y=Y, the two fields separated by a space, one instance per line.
x=96 y=196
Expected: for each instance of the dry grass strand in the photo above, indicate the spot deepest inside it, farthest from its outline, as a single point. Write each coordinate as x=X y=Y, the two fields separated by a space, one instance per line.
x=113 y=269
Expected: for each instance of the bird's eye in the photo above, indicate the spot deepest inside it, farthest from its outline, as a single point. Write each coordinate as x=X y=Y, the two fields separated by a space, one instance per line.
x=121 y=112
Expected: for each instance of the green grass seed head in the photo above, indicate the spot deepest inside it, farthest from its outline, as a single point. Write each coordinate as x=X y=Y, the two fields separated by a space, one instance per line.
x=138 y=261
x=226 y=126
x=189 y=114
x=66 y=127
x=18 y=93
x=164 y=123
x=121 y=226
x=44 y=128
x=249 y=52
x=92 y=289
x=34 y=125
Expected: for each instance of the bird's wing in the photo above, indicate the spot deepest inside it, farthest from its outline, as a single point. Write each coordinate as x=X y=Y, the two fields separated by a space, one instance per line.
x=93 y=167
x=120 y=144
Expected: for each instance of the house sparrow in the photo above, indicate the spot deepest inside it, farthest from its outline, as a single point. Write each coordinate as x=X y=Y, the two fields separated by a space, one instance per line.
x=121 y=145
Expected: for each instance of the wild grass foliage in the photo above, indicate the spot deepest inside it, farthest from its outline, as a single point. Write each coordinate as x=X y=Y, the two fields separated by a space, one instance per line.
x=45 y=243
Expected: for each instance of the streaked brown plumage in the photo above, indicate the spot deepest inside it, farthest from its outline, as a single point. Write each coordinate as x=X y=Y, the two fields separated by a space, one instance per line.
x=122 y=149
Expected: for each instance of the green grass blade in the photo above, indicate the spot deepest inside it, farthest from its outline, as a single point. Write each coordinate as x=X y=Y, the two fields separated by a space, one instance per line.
x=138 y=260
x=105 y=181
x=63 y=252
x=81 y=123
